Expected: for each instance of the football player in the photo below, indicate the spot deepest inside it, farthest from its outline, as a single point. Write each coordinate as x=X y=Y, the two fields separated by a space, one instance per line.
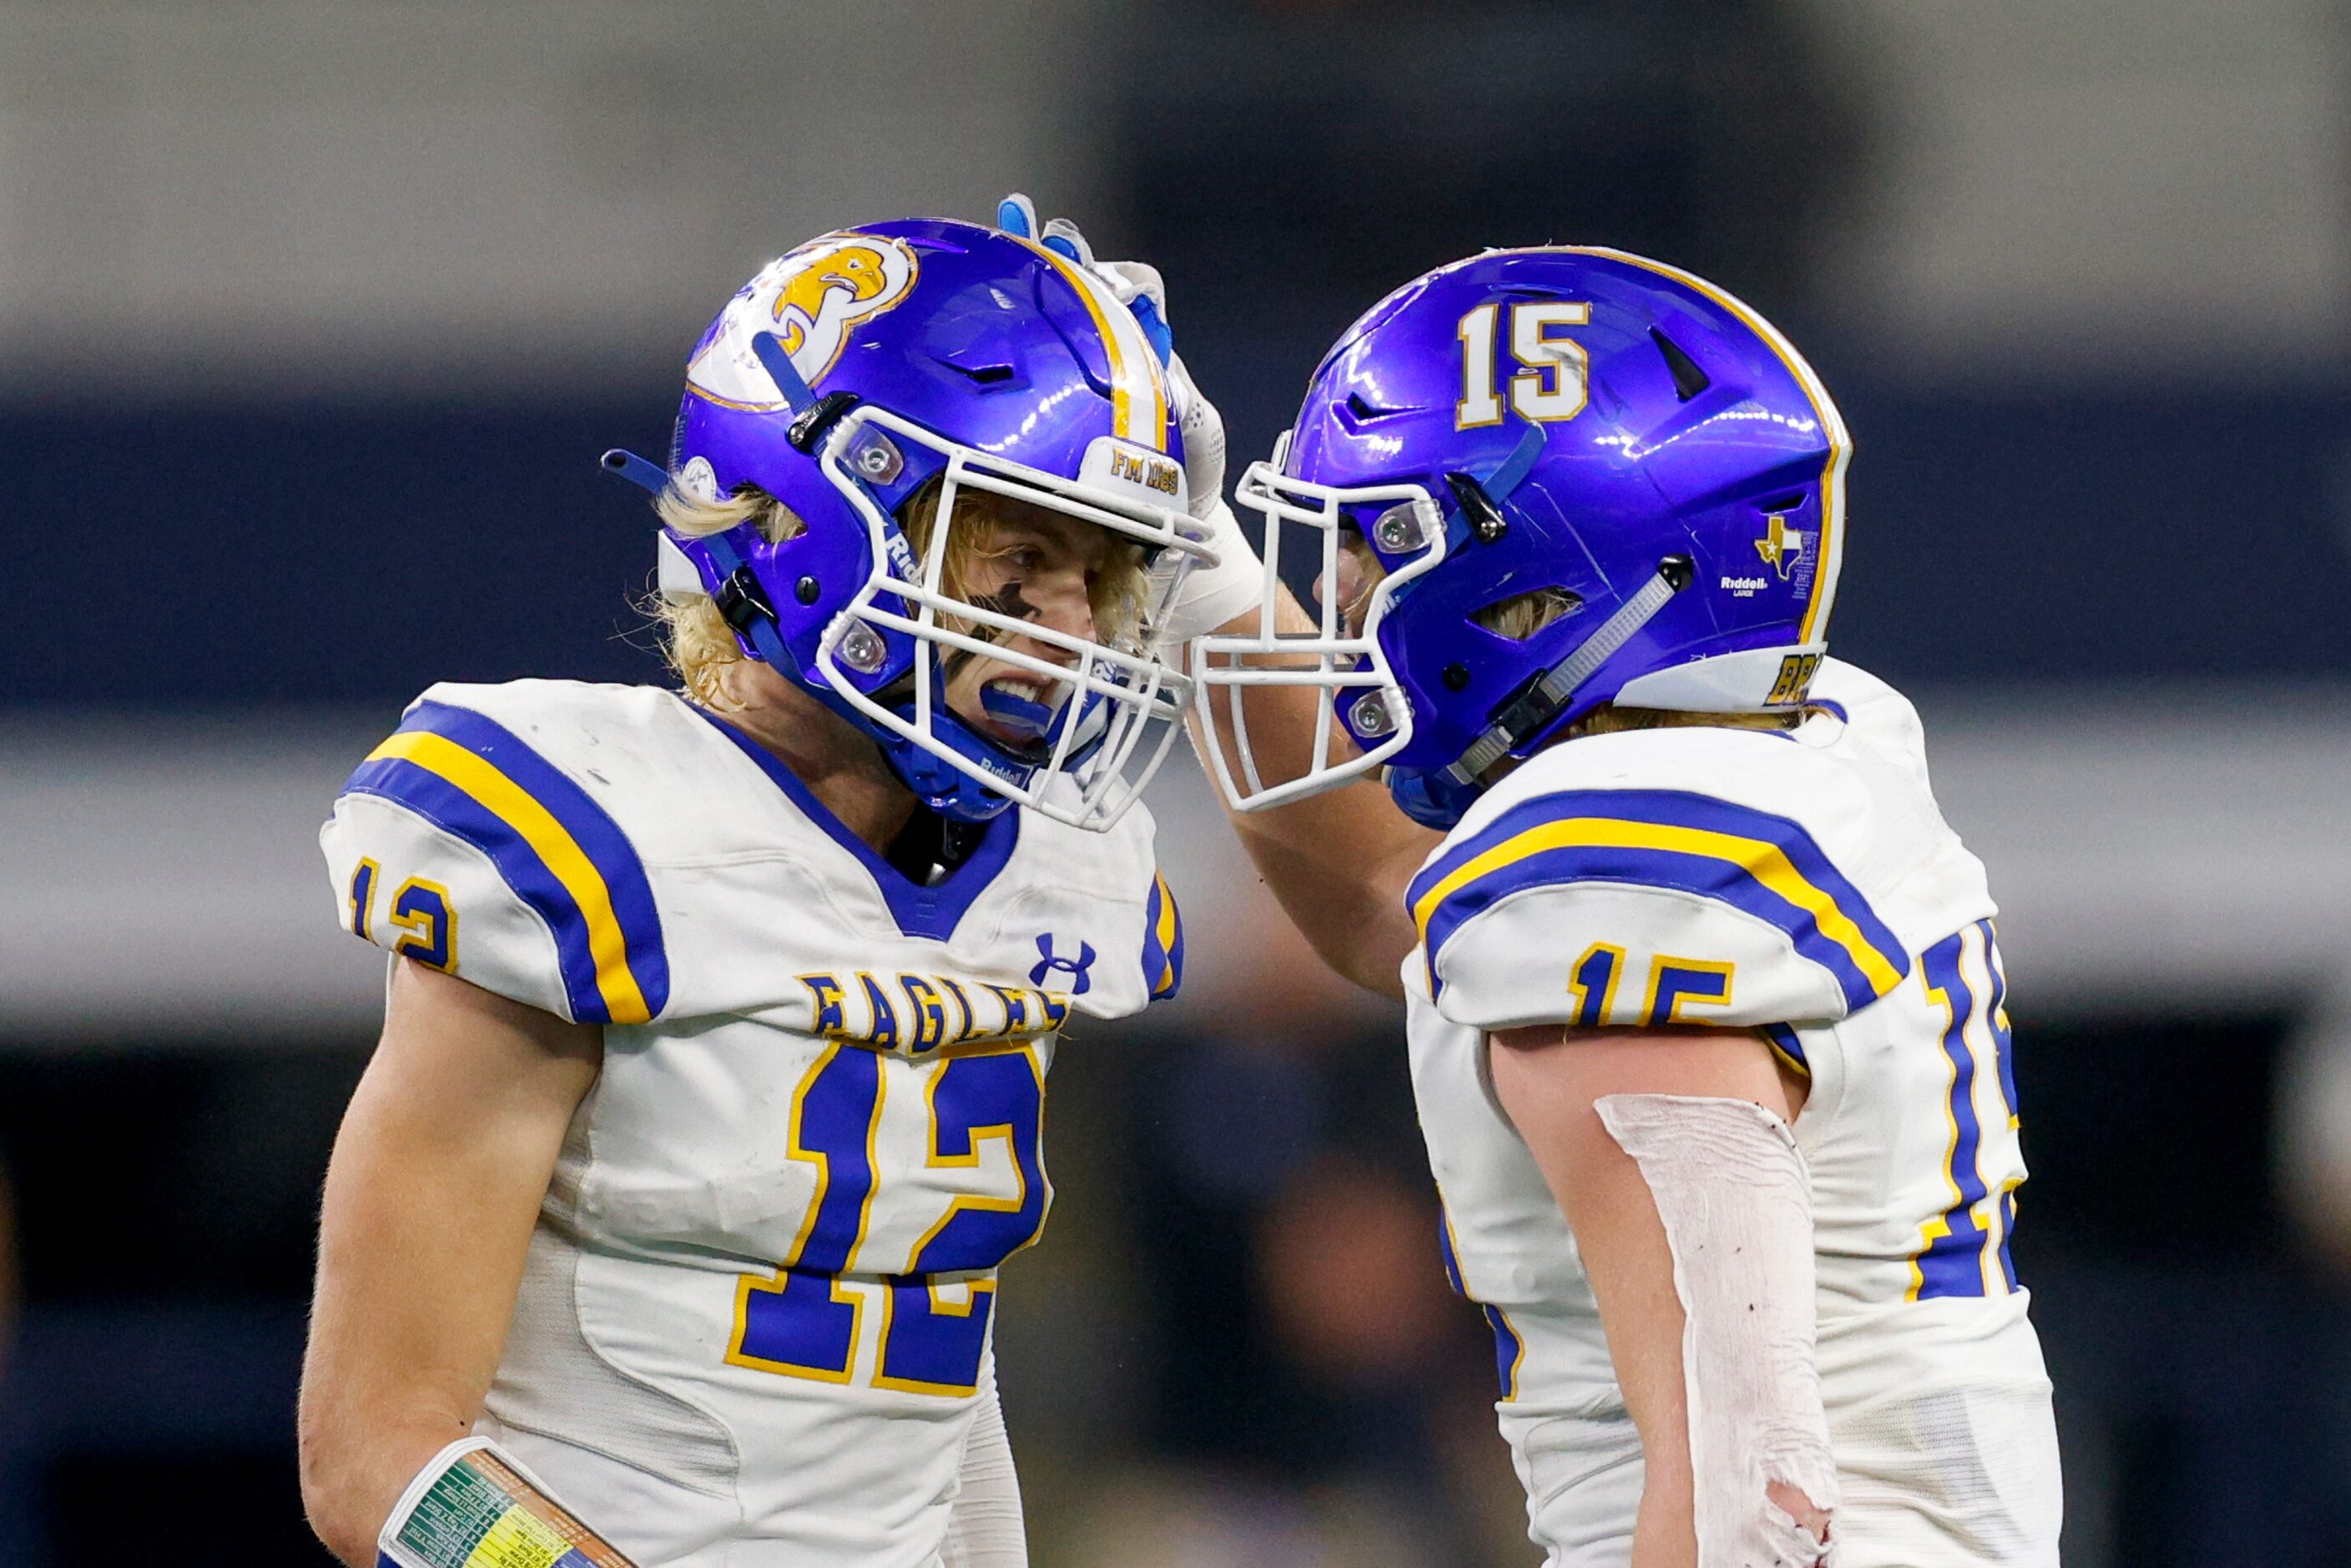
x=1704 y=999
x=665 y=1223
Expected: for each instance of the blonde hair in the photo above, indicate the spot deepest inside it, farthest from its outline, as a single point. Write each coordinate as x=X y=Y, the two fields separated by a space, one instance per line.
x=1521 y=616
x=698 y=645
x=696 y=642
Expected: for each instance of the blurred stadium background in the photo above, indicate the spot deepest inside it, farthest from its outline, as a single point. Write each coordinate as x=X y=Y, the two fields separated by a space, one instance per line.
x=313 y=315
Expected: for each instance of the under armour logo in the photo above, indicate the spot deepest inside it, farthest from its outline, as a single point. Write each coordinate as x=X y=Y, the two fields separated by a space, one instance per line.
x=1075 y=967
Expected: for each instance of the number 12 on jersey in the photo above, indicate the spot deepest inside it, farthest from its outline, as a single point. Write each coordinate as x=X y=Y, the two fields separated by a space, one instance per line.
x=807 y=1320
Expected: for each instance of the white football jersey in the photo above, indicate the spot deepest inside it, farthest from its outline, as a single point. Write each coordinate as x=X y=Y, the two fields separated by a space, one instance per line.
x=1801 y=884
x=756 y=1313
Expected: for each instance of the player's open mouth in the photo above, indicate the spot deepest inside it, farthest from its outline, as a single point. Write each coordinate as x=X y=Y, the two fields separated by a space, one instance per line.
x=1018 y=709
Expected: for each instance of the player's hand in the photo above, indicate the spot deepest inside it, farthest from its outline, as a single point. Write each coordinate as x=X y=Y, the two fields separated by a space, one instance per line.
x=1144 y=292
x=1210 y=596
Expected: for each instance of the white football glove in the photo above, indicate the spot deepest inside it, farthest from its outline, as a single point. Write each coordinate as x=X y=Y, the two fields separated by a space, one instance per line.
x=1142 y=290
x=1210 y=596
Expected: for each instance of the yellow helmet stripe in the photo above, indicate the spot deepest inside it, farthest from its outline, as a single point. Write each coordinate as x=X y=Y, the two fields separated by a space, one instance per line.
x=1138 y=398
x=1832 y=548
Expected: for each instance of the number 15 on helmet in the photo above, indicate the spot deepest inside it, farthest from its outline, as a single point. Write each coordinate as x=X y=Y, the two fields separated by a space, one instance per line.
x=1564 y=477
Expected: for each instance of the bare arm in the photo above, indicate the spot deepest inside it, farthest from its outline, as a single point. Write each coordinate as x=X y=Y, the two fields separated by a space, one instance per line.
x=1338 y=862
x=432 y=1194
x=1548 y=1082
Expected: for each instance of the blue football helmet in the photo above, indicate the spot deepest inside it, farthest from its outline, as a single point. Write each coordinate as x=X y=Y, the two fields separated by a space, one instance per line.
x=858 y=367
x=1624 y=445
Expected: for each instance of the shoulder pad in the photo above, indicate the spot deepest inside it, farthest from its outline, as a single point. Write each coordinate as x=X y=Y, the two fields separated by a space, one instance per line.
x=1641 y=907
x=457 y=843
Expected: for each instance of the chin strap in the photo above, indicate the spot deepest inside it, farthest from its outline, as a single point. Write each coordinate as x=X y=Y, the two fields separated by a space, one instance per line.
x=1542 y=702
x=644 y=472
x=1429 y=796
x=739 y=598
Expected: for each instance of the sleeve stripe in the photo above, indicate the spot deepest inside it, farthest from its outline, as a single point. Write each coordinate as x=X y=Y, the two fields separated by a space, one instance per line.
x=1791 y=1050
x=1163 y=940
x=554 y=845
x=1767 y=866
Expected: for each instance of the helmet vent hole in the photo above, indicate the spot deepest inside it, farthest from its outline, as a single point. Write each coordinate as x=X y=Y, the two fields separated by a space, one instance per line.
x=1688 y=380
x=1356 y=410
x=995 y=374
x=1521 y=616
x=1783 y=505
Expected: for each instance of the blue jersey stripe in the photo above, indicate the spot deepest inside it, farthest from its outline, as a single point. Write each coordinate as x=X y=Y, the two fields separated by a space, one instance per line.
x=1445 y=1250
x=1797 y=896
x=1509 y=1348
x=1784 y=1039
x=523 y=867
x=460 y=816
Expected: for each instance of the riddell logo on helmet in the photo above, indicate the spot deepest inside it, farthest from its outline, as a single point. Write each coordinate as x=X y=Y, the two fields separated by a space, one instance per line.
x=1746 y=587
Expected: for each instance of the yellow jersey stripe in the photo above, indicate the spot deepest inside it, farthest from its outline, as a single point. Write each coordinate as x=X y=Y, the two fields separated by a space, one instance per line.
x=1167 y=928
x=1767 y=863
x=467 y=771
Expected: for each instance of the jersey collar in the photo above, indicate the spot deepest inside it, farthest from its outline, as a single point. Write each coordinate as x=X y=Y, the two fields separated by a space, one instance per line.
x=934 y=911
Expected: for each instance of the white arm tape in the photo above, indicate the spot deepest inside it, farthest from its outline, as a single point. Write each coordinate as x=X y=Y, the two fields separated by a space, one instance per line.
x=984 y=1528
x=1736 y=1202
x=473 y=1504
x=1211 y=596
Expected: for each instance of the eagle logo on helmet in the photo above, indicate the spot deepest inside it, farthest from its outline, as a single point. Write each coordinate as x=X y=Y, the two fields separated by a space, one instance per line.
x=811 y=299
